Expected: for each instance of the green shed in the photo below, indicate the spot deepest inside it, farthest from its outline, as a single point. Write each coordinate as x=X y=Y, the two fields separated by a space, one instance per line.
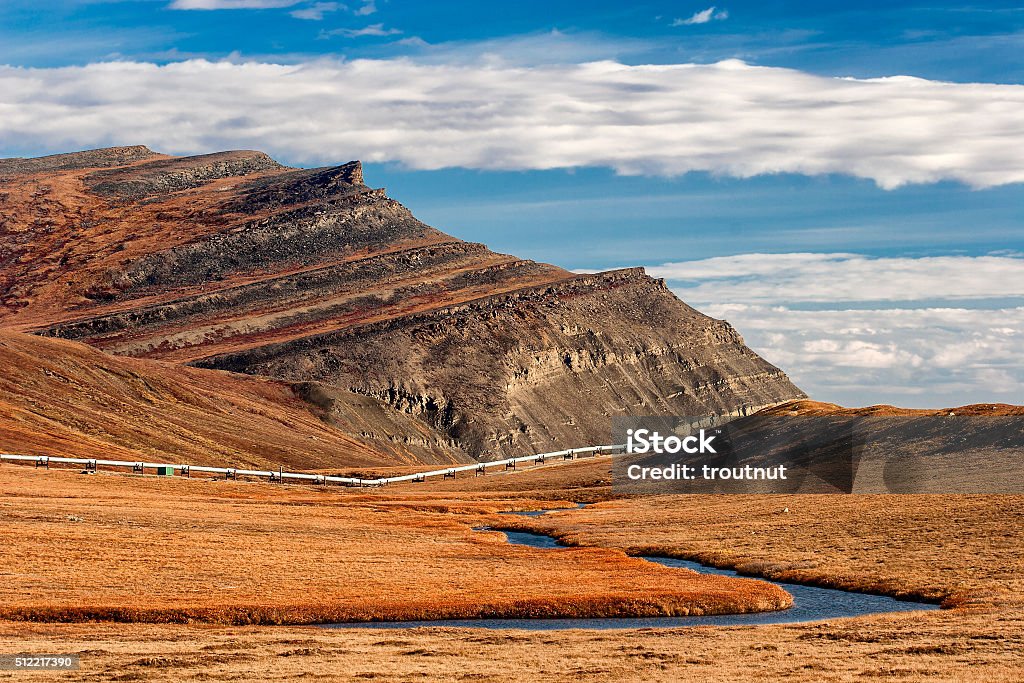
x=165 y=471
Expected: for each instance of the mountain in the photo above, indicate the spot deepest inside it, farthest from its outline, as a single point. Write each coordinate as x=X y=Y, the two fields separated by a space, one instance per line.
x=232 y=261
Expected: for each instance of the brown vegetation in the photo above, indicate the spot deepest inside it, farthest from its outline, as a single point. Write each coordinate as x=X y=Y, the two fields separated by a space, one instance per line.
x=808 y=408
x=910 y=647
x=958 y=549
x=124 y=548
x=356 y=548
x=380 y=545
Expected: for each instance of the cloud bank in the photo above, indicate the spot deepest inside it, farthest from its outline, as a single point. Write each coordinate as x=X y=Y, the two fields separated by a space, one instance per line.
x=726 y=118
x=776 y=278
x=928 y=358
x=920 y=332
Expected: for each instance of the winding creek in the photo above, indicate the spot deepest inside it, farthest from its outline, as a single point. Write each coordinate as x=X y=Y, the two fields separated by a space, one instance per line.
x=810 y=603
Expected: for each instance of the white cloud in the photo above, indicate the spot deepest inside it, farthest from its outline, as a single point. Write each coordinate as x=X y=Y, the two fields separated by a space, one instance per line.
x=726 y=118
x=317 y=10
x=232 y=4
x=931 y=357
x=371 y=30
x=367 y=9
x=703 y=17
x=776 y=278
x=951 y=330
x=528 y=49
x=314 y=11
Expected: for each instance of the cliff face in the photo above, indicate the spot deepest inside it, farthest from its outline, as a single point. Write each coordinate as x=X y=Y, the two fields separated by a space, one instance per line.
x=232 y=261
x=538 y=368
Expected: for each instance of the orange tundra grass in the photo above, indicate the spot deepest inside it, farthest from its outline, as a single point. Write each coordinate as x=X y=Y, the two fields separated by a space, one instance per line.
x=123 y=548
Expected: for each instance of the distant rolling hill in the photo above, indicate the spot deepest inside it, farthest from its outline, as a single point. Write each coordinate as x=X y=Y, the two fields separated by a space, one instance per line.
x=826 y=448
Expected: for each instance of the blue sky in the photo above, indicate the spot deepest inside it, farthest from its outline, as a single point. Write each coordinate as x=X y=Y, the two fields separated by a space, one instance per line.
x=905 y=178
x=938 y=40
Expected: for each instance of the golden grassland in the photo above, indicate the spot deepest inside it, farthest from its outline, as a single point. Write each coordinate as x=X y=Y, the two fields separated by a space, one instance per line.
x=361 y=549
x=124 y=548
x=907 y=647
x=953 y=548
x=961 y=549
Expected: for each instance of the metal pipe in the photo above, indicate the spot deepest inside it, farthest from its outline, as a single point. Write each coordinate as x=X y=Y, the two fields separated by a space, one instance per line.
x=302 y=476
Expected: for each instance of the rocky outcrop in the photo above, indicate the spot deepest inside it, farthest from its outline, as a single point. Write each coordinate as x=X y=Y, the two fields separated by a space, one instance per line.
x=97 y=158
x=232 y=261
x=173 y=175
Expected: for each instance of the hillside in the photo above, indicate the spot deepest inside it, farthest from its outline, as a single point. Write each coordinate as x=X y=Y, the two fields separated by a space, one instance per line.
x=63 y=398
x=233 y=261
x=827 y=448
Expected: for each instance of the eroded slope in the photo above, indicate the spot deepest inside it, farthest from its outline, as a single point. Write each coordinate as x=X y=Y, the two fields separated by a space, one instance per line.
x=66 y=399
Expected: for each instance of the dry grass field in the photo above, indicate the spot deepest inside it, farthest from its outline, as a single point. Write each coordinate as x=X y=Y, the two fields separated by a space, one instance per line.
x=910 y=647
x=118 y=547
x=142 y=544
x=958 y=549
